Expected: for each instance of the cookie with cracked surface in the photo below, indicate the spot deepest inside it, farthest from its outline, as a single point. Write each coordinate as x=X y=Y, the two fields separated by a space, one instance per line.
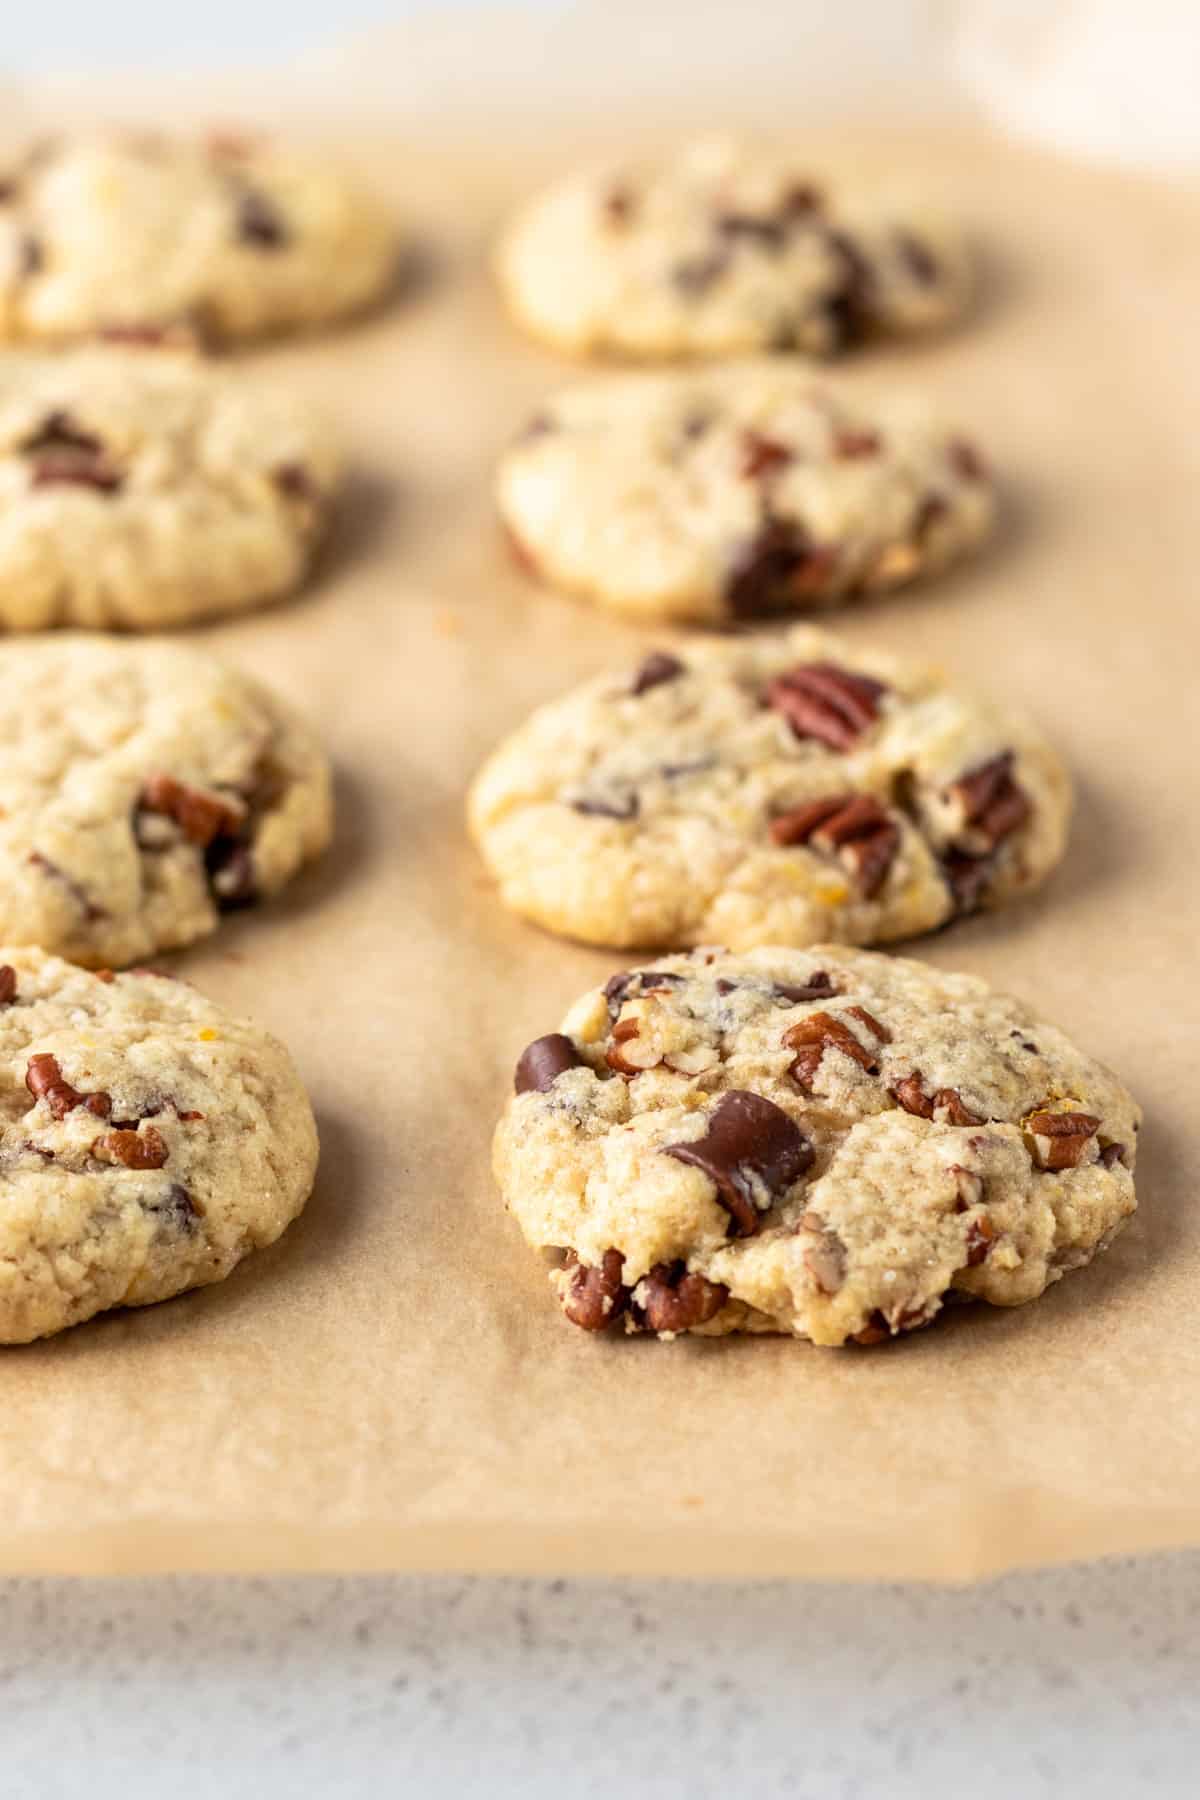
x=729 y=246
x=144 y=788
x=220 y=238
x=141 y=489
x=827 y=1143
x=148 y=1142
x=728 y=495
x=772 y=790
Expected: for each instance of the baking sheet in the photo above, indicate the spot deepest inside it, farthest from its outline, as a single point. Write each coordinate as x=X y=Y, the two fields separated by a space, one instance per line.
x=391 y=1386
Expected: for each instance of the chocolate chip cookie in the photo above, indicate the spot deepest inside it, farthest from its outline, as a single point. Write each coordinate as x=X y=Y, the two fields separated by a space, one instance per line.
x=148 y=1142
x=142 y=488
x=828 y=1143
x=727 y=495
x=144 y=789
x=773 y=790
x=727 y=246
x=216 y=239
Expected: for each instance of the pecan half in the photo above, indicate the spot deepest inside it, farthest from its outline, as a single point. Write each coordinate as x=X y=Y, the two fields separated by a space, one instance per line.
x=822 y=1031
x=8 y=984
x=1060 y=1139
x=135 y=1149
x=595 y=1296
x=659 y=667
x=671 y=1299
x=752 y=1151
x=946 y=1102
x=46 y=1081
x=779 y=567
x=822 y=701
x=543 y=1061
x=852 y=827
x=200 y=816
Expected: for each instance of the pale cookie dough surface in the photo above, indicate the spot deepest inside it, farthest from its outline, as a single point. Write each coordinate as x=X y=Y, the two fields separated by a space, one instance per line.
x=144 y=788
x=728 y=494
x=728 y=246
x=143 y=488
x=148 y=1142
x=223 y=238
x=828 y=1143
x=768 y=790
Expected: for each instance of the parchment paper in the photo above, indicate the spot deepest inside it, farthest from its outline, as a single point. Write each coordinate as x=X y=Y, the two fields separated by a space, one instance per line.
x=391 y=1386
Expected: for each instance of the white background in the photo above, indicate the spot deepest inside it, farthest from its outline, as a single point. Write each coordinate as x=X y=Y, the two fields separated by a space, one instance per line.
x=1080 y=1682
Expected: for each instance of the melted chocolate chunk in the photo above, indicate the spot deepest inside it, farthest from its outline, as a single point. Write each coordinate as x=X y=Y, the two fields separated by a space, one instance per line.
x=543 y=1061
x=751 y=1148
x=779 y=567
x=624 y=806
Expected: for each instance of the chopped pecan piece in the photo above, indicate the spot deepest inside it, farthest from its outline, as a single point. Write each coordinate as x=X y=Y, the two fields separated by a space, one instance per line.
x=46 y=1081
x=873 y=1332
x=623 y=1033
x=779 y=567
x=1066 y=1135
x=671 y=1299
x=543 y=1061
x=981 y=1235
x=659 y=667
x=849 y=444
x=8 y=984
x=967 y=878
x=595 y=1296
x=823 y=701
x=947 y=1102
x=617 y=987
x=1111 y=1154
x=968 y=1188
x=752 y=1151
x=135 y=1149
x=993 y=803
x=200 y=816
x=853 y=827
x=822 y=1031
x=761 y=455
x=823 y=1253
x=61 y=452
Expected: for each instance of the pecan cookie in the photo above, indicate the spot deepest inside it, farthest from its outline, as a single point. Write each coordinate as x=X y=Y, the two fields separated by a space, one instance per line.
x=725 y=495
x=142 y=489
x=144 y=787
x=726 y=247
x=829 y=1143
x=148 y=1142
x=217 y=239
x=774 y=790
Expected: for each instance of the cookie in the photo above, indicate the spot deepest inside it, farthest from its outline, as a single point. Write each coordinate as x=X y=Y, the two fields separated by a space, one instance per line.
x=148 y=1142
x=728 y=246
x=725 y=495
x=143 y=489
x=220 y=239
x=144 y=788
x=772 y=790
x=829 y=1143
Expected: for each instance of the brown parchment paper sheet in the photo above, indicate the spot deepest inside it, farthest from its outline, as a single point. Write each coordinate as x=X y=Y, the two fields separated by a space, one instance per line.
x=391 y=1386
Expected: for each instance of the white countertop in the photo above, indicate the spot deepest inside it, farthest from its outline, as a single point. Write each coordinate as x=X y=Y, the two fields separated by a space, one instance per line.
x=1084 y=1681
